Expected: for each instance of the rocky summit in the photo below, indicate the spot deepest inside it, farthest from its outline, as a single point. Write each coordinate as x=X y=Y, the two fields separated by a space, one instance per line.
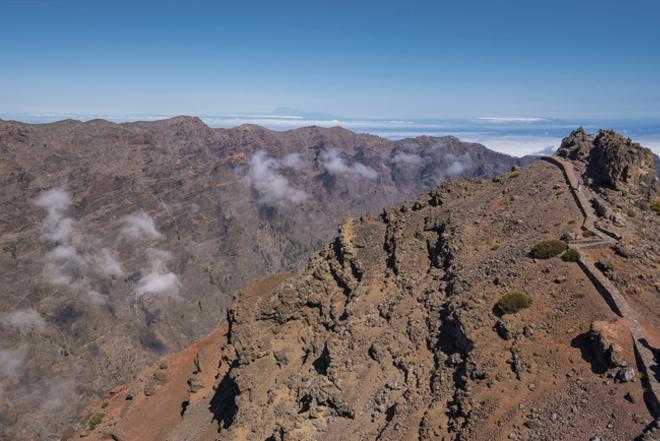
x=484 y=309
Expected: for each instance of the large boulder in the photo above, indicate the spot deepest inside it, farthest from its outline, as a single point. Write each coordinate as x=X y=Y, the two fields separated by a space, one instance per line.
x=576 y=146
x=613 y=161
x=618 y=163
x=609 y=353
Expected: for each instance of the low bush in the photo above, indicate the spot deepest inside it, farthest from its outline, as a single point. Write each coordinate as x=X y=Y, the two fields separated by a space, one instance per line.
x=571 y=255
x=548 y=248
x=514 y=174
x=95 y=420
x=656 y=207
x=512 y=302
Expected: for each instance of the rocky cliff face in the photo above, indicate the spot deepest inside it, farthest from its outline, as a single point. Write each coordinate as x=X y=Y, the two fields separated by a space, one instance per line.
x=614 y=161
x=120 y=243
x=392 y=331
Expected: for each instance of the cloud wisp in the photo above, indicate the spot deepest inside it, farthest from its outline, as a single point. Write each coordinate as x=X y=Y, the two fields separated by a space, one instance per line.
x=264 y=177
x=138 y=226
x=76 y=259
x=407 y=158
x=458 y=164
x=159 y=280
x=12 y=361
x=24 y=320
x=56 y=227
x=335 y=164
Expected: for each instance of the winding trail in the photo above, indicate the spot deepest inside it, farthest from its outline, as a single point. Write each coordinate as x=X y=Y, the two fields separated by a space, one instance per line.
x=613 y=297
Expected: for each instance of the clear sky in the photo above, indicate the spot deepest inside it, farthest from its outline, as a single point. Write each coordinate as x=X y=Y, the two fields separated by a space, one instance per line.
x=578 y=58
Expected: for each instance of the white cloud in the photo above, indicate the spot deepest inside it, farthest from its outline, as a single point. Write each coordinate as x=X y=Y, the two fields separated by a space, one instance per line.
x=105 y=263
x=139 y=226
x=159 y=280
x=335 y=164
x=499 y=119
x=262 y=175
x=77 y=259
x=407 y=158
x=12 y=361
x=56 y=227
x=24 y=319
x=293 y=160
x=458 y=164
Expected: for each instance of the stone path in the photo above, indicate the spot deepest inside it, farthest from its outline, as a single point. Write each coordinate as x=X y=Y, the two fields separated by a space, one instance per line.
x=605 y=287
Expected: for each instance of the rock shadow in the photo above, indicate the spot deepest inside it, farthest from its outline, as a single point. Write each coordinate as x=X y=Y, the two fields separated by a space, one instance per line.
x=223 y=404
x=584 y=344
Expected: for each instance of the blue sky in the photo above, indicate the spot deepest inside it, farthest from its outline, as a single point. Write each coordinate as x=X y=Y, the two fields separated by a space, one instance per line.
x=435 y=59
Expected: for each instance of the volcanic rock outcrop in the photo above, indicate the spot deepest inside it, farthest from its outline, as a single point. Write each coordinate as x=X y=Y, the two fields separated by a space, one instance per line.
x=614 y=161
x=392 y=330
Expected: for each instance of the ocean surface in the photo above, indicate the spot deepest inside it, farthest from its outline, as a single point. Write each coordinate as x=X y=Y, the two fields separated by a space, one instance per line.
x=514 y=136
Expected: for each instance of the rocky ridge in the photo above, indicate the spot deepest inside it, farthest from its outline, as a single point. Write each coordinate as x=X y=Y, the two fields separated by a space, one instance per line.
x=391 y=332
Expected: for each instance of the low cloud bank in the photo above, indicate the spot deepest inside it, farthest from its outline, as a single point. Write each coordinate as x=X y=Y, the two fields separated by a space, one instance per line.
x=263 y=176
x=335 y=164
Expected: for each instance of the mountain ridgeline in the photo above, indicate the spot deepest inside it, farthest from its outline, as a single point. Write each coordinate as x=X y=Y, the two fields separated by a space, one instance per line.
x=120 y=243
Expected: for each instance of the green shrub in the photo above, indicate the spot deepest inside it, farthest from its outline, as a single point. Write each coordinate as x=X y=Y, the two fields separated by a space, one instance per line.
x=495 y=247
x=548 y=248
x=95 y=420
x=630 y=212
x=514 y=174
x=571 y=255
x=656 y=207
x=512 y=302
x=579 y=295
x=586 y=232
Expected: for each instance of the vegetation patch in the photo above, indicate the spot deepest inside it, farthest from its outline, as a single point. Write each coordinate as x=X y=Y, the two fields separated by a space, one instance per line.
x=579 y=295
x=656 y=207
x=548 y=248
x=630 y=212
x=514 y=174
x=95 y=420
x=512 y=302
x=571 y=255
x=495 y=247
